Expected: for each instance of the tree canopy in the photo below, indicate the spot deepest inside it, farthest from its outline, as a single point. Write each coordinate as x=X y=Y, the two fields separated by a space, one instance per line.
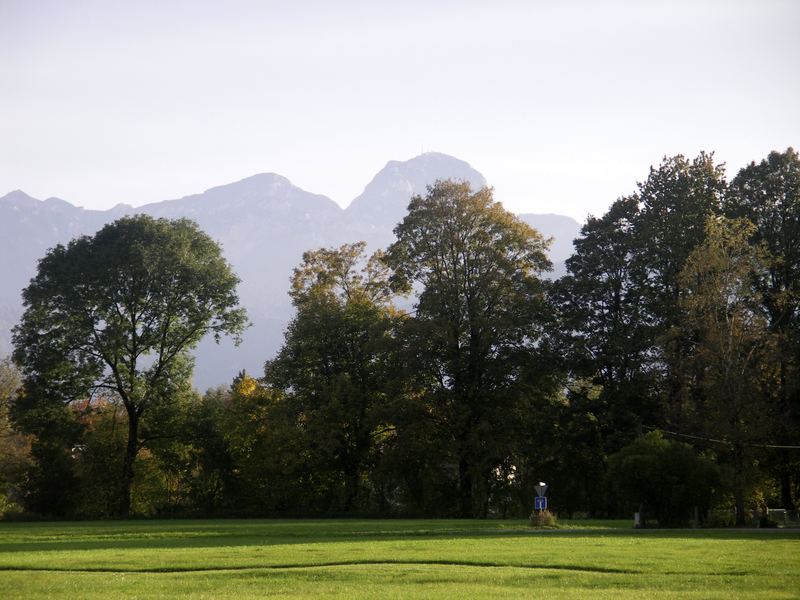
x=115 y=314
x=479 y=314
x=334 y=367
x=660 y=372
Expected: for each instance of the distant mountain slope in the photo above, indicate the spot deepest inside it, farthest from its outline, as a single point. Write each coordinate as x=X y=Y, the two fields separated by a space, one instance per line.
x=264 y=224
x=28 y=227
x=384 y=201
x=562 y=229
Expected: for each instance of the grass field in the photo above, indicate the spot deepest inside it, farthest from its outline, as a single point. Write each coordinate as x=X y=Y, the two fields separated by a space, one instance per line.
x=391 y=559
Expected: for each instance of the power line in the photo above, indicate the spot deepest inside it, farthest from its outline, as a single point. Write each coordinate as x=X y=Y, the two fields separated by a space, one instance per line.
x=728 y=443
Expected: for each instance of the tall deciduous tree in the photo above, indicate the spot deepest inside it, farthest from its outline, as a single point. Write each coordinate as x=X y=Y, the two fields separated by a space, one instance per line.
x=768 y=194
x=619 y=302
x=334 y=365
x=117 y=313
x=675 y=201
x=480 y=312
x=733 y=351
x=605 y=322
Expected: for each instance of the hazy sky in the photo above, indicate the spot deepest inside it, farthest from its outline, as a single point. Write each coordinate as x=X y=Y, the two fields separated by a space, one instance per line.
x=563 y=106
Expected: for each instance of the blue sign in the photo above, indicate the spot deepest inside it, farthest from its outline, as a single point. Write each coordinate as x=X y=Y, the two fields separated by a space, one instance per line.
x=540 y=503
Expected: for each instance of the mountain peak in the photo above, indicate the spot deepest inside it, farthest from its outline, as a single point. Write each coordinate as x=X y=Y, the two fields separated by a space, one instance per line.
x=435 y=157
x=264 y=224
x=385 y=199
x=259 y=184
x=262 y=196
x=58 y=203
x=17 y=196
x=435 y=163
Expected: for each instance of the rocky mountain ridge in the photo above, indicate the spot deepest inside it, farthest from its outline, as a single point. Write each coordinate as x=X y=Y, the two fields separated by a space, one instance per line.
x=264 y=224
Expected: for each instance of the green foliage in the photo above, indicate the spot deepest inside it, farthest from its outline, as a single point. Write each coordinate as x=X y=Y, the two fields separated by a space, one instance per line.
x=543 y=519
x=14 y=447
x=606 y=336
x=667 y=478
x=480 y=314
x=601 y=300
x=733 y=347
x=413 y=470
x=97 y=460
x=52 y=484
x=333 y=372
x=768 y=195
x=619 y=307
x=341 y=275
x=267 y=452
x=675 y=201
x=720 y=518
x=566 y=449
x=202 y=458
x=671 y=316
x=116 y=313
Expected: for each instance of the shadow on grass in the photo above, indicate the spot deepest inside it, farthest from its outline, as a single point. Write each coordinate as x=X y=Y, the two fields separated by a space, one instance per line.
x=210 y=534
x=323 y=565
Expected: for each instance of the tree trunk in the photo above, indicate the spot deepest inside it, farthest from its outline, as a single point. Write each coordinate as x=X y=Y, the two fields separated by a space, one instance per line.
x=784 y=465
x=738 y=483
x=464 y=489
x=131 y=450
x=351 y=480
x=786 y=481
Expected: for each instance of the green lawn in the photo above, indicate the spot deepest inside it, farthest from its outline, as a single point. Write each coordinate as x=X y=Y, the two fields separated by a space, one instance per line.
x=391 y=559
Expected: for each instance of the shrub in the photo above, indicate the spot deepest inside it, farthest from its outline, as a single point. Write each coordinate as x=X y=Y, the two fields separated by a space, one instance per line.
x=720 y=518
x=543 y=519
x=668 y=478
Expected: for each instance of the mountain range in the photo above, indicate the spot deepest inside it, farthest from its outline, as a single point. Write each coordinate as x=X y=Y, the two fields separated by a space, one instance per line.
x=264 y=224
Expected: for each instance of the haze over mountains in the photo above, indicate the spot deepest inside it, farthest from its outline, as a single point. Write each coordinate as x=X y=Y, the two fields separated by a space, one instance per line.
x=264 y=224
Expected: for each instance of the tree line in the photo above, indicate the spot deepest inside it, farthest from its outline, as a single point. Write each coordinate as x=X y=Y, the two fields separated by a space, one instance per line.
x=442 y=376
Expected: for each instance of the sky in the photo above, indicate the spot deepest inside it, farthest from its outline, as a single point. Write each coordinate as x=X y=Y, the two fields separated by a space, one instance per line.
x=562 y=106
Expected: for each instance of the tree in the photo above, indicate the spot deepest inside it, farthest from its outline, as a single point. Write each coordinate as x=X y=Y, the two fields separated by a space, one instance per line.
x=200 y=458
x=266 y=453
x=733 y=351
x=479 y=316
x=333 y=367
x=663 y=476
x=768 y=195
x=117 y=313
x=14 y=447
x=10 y=381
x=619 y=303
x=605 y=324
x=675 y=201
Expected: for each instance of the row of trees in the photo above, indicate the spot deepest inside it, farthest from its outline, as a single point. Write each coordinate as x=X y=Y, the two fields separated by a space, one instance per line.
x=682 y=302
x=679 y=313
